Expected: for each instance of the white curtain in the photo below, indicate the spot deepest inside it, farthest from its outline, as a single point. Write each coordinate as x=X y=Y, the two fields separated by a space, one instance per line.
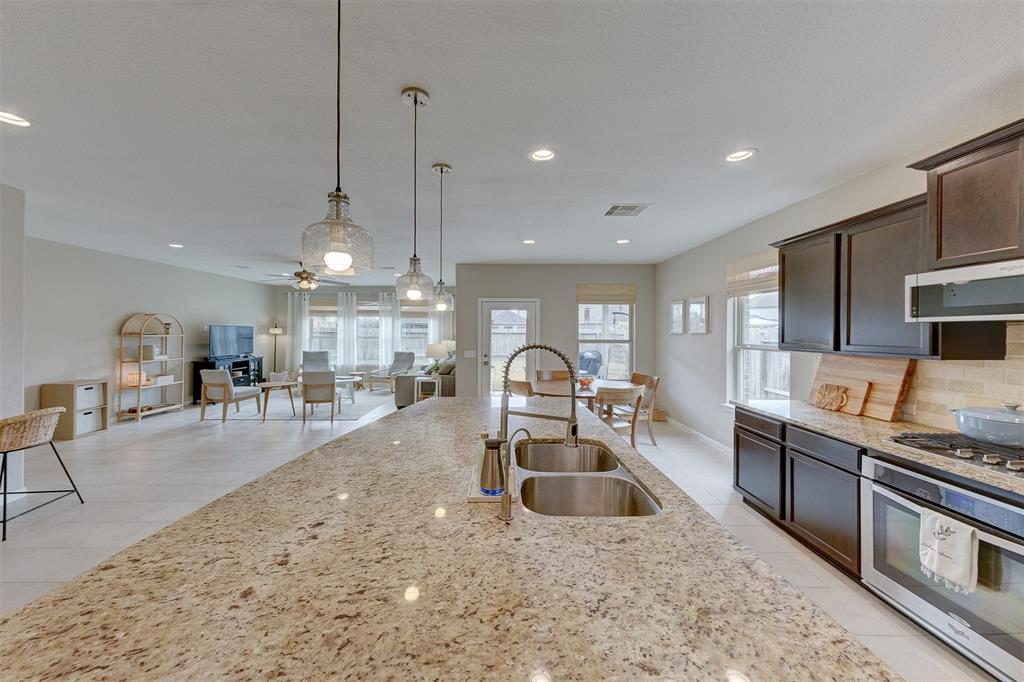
x=298 y=324
x=442 y=325
x=390 y=327
x=348 y=306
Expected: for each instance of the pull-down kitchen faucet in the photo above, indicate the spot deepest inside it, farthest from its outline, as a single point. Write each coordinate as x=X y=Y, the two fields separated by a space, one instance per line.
x=571 y=429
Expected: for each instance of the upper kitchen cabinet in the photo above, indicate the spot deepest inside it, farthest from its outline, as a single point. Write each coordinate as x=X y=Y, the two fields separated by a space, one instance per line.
x=976 y=200
x=808 y=282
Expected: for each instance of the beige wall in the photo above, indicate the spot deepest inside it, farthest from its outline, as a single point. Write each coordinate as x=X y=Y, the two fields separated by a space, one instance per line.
x=693 y=368
x=937 y=387
x=12 y=327
x=79 y=298
x=555 y=286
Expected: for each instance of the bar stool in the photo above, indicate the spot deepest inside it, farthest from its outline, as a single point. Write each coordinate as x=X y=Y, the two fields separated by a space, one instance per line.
x=27 y=431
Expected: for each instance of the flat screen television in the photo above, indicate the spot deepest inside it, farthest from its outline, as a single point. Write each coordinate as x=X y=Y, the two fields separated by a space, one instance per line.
x=229 y=339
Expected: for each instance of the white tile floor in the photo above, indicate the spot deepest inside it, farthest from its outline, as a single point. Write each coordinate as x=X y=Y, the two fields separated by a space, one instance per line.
x=139 y=478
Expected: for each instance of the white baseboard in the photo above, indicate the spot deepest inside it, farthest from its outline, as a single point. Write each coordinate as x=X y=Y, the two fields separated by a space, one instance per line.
x=702 y=436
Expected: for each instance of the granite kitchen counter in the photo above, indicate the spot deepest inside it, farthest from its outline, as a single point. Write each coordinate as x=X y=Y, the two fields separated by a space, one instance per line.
x=877 y=434
x=363 y=560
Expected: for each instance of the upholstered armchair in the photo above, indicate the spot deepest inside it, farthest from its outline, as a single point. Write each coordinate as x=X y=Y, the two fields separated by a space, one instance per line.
x=401 y=364
x=218 y=388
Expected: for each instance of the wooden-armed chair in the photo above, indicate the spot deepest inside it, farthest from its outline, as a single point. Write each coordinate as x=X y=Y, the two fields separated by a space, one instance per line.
x=27 y=431
x=318 y=388
x=400 y=364
x=218 y=388
x=607 y=399
x=552 y=375
x=520 y=388
x=650 y=384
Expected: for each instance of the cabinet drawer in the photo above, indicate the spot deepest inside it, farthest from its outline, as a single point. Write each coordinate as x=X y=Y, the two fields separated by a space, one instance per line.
x=824 y=448
x=88 y=395
x=823 y=508
x=88 y=421
x=757 y=471
x=762 y=425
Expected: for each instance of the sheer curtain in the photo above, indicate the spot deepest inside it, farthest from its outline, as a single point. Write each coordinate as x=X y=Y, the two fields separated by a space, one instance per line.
x=442 y=325
x=348 y=305
x=298 y=324
x=390 y=327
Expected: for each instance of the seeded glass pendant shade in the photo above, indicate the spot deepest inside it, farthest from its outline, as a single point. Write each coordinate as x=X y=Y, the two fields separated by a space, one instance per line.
x=414 y=285
x=443 y=300
x=336 y=245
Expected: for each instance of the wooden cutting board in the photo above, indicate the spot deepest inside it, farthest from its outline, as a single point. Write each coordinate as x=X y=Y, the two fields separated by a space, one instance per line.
x=888 y=379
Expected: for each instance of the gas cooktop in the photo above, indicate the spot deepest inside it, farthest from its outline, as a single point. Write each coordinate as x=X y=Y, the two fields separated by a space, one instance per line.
x=957 y=446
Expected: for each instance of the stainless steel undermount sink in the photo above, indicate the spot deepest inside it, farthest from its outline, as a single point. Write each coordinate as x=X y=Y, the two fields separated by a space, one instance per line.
x=556 y=457
x=583 y=495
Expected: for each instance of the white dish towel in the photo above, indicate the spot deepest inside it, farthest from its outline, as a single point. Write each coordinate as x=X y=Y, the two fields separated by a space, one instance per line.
x=949 y=552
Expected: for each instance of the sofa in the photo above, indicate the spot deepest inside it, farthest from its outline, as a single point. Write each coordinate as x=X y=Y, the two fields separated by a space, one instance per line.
x=405 y=385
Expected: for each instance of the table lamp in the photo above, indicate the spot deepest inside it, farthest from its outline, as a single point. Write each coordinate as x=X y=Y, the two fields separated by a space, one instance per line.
x=449 y=345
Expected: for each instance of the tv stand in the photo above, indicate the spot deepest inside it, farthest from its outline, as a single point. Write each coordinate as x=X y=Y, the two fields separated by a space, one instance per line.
x=251 y=368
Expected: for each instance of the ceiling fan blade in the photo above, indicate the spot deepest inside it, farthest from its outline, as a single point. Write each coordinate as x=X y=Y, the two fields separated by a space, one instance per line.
x=333 y=282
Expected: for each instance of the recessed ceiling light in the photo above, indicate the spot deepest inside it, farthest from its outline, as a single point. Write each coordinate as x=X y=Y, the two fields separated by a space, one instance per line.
x=529 y=241
x=621 y=241
x=175 y=245
x=741 y=155
x=543 y=153
x=14 y=119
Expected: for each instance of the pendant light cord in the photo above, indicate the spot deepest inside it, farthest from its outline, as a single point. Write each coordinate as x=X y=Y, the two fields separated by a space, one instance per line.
x=415 y=147
x=440 y=232
x=337 y=114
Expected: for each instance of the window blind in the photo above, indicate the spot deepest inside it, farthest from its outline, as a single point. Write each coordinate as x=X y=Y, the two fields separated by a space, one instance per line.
x=606 y=293
x=753 y=274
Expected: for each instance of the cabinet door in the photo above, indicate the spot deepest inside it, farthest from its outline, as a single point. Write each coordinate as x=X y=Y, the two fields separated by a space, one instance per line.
x=976 y=207
x=757 y=471
x=823 y=508
x=876 y=256
x=807 y=305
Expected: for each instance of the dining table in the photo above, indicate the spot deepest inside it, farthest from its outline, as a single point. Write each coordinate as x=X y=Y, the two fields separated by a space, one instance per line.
x=560 y=388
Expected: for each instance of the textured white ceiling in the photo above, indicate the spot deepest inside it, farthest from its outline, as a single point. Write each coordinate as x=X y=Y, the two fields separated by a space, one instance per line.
x=211 y=123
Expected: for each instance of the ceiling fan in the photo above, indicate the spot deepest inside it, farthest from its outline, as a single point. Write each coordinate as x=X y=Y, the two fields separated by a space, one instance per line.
x=305 y=280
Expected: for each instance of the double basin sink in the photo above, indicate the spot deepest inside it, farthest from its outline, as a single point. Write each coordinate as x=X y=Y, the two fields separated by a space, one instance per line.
x=588 y=480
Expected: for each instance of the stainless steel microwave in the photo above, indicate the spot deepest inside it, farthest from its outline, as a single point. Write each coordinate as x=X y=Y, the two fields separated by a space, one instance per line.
x=993 y=291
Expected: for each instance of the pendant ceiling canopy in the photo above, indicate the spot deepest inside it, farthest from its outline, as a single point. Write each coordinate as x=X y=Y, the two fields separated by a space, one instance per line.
x=336 y=245
x=414 y=285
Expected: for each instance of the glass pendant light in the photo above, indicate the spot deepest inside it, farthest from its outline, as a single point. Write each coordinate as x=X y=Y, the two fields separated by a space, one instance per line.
x=443 y=301
x=336 y=245
x=414 y=285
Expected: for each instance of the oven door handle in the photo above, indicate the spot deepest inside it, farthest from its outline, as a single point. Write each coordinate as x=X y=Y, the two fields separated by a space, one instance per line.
x=989 y=535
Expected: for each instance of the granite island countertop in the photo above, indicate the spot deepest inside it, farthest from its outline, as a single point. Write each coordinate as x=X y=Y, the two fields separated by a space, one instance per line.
x=362 y=560
x=877 y=434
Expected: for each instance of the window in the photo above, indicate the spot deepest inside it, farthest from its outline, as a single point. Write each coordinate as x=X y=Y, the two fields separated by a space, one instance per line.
x=413 y=335
x=367 y=338
x=760 y=371
x=323 y=331
x=605 y=337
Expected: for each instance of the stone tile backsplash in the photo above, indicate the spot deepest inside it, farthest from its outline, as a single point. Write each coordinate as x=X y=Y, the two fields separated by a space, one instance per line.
x=938 y=386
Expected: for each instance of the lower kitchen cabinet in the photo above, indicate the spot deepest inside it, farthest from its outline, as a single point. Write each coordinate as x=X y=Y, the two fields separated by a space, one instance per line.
x=757 y=471
x=822 y=508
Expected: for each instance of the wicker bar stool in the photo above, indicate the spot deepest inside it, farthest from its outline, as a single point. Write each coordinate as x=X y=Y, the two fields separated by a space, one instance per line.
x=27 y=431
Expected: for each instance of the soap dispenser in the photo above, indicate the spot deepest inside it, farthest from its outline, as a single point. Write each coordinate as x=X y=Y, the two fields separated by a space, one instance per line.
x=492 y=474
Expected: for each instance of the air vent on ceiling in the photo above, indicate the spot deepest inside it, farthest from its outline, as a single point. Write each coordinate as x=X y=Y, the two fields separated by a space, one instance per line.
x=625 y=210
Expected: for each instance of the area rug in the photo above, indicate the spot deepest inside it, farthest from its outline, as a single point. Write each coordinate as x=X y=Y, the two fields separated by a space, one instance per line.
x=279 y=408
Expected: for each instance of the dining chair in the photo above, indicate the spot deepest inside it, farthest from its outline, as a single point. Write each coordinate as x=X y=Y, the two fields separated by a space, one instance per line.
x=520 y=388
x=607 y=399
x=315 y=361
x=318 y=388
x=552 y=375
x=218 y=388
x=26 y=431
x=650 y=384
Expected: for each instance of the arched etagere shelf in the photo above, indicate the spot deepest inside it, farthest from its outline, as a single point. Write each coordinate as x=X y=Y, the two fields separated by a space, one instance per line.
x=151 y=366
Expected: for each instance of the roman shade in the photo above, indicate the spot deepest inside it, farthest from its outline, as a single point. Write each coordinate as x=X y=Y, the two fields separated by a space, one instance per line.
x=606 y=293
x=753 y=274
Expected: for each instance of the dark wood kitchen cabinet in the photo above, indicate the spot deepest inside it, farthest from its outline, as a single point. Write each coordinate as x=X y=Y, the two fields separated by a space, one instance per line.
x=976 y=200
x=757 y=471
x=823 y=508
x=808 y=285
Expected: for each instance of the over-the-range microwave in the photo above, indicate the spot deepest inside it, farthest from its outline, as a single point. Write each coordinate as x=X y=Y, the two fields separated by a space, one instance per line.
x=993 y=291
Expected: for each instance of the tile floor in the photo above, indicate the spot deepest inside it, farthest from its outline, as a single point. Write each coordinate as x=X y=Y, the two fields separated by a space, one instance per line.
x=135 y=488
